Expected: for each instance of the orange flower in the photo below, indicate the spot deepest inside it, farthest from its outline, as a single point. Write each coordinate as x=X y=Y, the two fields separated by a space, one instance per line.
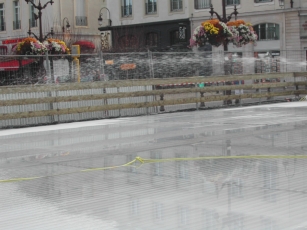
x=29 y=39
x=53 y=40
x=236 y=23
x=214 y=22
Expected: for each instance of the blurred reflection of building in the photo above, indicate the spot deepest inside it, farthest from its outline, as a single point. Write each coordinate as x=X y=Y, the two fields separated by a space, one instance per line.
x=176 y=194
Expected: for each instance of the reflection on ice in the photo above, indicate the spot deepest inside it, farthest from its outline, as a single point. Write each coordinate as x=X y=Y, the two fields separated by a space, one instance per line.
x=194 y=194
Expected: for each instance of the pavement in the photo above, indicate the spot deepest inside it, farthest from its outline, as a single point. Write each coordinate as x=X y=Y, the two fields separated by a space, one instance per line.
x=66 y=176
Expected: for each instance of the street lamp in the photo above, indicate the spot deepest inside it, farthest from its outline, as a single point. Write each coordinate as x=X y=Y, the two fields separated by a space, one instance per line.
x=39 y=7
x=67 y=25
x=224 y=18
x=100 y=19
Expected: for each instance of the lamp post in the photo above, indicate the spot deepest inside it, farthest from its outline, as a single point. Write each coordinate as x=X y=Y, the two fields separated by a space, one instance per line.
x=67 y=25
x=39 y=7
x=104 y=36
x=224 y=18
x=100 y=19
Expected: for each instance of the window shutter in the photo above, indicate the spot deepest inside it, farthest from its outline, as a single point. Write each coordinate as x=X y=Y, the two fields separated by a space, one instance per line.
x=171 y=1
x=180 y=4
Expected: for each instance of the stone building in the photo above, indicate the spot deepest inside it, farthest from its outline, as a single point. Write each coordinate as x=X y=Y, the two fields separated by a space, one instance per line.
x=149 y=24
x=280 y=25
x=81 y=15
x=17 y=17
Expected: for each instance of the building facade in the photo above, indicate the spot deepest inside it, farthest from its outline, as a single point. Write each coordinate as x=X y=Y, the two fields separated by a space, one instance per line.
x=139 y=25
x=280 y=26
x=81 y=16
x=17 y=17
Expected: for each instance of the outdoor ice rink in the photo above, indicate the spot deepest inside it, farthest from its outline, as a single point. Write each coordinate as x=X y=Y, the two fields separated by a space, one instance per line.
x=56 y=191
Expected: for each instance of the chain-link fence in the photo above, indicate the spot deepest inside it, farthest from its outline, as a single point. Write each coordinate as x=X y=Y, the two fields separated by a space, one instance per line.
x=104 y=85
x=21 y=70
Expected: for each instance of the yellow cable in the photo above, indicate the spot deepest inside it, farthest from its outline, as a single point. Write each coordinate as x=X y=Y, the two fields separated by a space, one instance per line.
x=150 y=161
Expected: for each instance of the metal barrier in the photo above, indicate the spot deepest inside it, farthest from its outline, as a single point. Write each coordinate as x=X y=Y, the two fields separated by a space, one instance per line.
x=56 y=103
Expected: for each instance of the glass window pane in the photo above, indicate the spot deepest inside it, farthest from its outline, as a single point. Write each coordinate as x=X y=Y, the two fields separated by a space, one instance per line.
x=262 y=31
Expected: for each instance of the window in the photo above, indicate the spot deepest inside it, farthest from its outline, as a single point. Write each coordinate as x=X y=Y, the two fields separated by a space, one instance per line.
x=32 y=21
x=81 y=18
x=237 y=187
x=267 y=31
x=134 y=208
x=176 y=5
x=2 y=22
x=210 y=218
x=16 y=12
x=270 y=178
x=152 y=39
x=202 y=4
x=260 y=1
x=151 y=6
x=269 y=224
x=174 y=37
x=178 y=36
x=236 y=221
x=126 y=8
x=158 y=211
x=232 y=2
x=157 y=168
x=183 y=170
x=184 y=215
x=127 y=41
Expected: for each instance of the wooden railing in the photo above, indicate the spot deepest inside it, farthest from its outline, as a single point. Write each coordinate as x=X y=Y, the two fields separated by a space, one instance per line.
x=299 y=80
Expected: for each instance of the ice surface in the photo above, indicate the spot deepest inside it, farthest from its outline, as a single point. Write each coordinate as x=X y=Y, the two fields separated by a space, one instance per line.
x=193 y=194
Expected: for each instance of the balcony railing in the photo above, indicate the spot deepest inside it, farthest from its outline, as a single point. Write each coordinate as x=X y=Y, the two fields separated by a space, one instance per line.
x=32 y=22
x=202 y=4
x=127 y=11
x=81 y=21
x=16 y=25
x=151 y=8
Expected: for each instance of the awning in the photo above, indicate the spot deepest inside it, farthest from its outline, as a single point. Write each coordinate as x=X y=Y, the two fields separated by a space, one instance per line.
x=13 y=65
x=85 y=44
x=12 y=41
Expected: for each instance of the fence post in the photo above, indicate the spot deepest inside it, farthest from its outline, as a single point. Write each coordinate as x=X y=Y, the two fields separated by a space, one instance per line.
x=259 y=91
x=48 y=68
x=76 y=69
x=101 y=65
x=196 y=95
x=202 y=104
x=162 y=106
x=269 y=91
x=118 y=101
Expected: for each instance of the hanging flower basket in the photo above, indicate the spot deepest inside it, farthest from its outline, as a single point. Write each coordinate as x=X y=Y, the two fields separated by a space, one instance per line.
x=56 y=46
x=30 y=46
x=212 y=31
x=243 y=33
